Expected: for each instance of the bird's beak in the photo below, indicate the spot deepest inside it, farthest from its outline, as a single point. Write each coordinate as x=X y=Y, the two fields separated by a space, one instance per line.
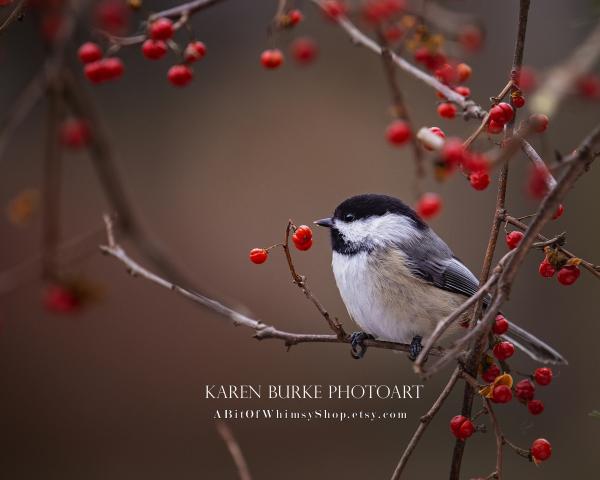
x=324 y=222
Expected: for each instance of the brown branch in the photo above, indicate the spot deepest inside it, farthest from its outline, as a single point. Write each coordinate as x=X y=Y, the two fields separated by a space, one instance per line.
x=472 y=364
x=537 y=161
x=262 y=330
x=300 y=281
x=401 y=111
x=594 y=269
x=424 y=422
x=52 y=184
x=234 y=449
x=15 y=15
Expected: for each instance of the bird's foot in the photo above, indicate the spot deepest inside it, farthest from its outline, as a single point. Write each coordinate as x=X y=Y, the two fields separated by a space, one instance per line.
x=358 y=348
x=415 y=347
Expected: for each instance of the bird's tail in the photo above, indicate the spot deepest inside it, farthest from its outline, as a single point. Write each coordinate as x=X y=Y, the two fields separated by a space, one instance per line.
x=533 y=346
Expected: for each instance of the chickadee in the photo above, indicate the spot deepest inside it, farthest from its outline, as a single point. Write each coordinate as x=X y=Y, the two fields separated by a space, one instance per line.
x=398 y=279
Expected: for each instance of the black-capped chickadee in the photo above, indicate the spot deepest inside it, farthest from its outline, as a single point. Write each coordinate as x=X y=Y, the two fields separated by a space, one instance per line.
x=398 y=279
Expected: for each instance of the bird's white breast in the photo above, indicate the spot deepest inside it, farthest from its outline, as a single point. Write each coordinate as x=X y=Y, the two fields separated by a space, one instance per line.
x=385 y=299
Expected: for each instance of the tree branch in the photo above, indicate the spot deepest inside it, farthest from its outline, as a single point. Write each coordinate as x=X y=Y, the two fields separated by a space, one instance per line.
x=234 y=449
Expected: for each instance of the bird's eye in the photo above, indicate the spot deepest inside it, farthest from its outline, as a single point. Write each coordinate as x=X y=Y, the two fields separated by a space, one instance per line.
x=349 y=217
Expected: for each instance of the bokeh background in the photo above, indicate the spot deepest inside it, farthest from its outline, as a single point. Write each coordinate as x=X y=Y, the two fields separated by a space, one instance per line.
x=117 y=391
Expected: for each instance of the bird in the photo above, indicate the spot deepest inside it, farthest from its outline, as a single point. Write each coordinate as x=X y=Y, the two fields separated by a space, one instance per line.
x=398 y=279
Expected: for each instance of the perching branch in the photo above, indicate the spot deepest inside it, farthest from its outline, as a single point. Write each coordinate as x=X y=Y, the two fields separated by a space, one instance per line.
x=262 y=330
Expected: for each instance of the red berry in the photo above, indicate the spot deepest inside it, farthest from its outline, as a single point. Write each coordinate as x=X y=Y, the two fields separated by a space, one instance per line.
x=568 y=275
x=503 y=350
x=476 y=162
x=161 y=29
x=470 y=38
x=74 y=133
x=59 y=299
x=95 y=71
x=271 y=58
x=446 y=74
x=490 y=373
x=502 y=113
x=537 y=184
x=559 y=211
x=333 y=8
x=302 y=237
x=588 y=86
x=546 y=269
x=541 y=449
x=501 y=394
x=513 y=239
x=446 y=110
x=463 y=71
x=464 y=91
x=154 y=49
x=304 y=50
x=180 y=75
x=422 y=54
x=398 y=132
x=393 y=33
x=453 y=152
x=494 y=127
x=461 y=427
x=429 y=205
x=89 y=52
x=294 y=17
x=112 y=16
x=525 y=390
x=535 y=407
x=543 y=376
x=113 y=67
x=500 y=325
x=527 y=79
x=194 y=51
x=539 y=122
x=479 y=180
x=518 y=101
x=258 y=255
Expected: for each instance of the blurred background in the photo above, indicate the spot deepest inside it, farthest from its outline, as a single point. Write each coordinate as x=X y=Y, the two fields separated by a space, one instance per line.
x=116 y=390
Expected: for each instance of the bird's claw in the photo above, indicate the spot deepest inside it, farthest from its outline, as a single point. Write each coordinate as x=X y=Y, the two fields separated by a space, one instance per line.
x=358 y=348
x=415 y=347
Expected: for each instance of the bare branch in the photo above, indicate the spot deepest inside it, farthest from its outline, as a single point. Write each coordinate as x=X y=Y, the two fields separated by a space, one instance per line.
x=234 y=449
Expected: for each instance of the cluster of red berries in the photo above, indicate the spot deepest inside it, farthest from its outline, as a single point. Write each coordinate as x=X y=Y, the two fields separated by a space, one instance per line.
x=568 y=271
x=97 y=68
x=302 y=239
x=450 y=74
x=461 y=427
x=304 y=50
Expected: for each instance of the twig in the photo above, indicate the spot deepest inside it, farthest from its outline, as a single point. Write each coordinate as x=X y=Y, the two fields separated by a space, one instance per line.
x=537 y=161
x=300 y=281
x=401 y=111
x=594 y=269
x=234 y=449
x=262 y=330
x=470 y=108
x=14 y=15
x=424 y=423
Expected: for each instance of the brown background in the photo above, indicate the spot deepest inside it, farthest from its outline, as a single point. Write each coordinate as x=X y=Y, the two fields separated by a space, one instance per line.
x=217 y=168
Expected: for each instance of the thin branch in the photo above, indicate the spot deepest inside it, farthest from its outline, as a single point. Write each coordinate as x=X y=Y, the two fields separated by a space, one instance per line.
x=537 y=161
x=470 y=108
x=300 y=281
x=234 y=449
x=14 y=15
x=472 y=363
x=262 y=330
x=594 y=269
x=424 y=422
